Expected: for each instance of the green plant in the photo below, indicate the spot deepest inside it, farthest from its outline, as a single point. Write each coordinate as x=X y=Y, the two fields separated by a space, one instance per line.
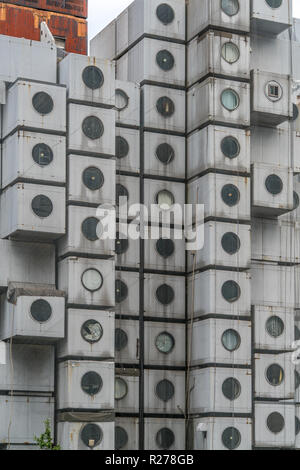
x=45 y=441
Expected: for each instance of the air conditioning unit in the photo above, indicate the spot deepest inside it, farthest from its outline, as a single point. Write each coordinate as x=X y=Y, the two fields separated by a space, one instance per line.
x=232 y=16
x=164 y=155
x=85 y=385
x=126 y=391
x=126 y=433
x=128 y=103
x=218 y=341
x=127 y=293
x=87 y=435
x=32 y=212
x=89 y=333
x=274 y=425
x=91 y=130
x=271 y=17
x=91 y=180
x=164 y=392
x=220 y=148
x=219 y=292
x=164 y=296
x=127 y=346
x=220 y=390
x=218 y=101
x=271 y=100
x=87 y=282
x=164 y=344
x=88 y=79
x=273 y=328
x=31 y=104
x=274 y=376
x=164 y=434
x=128 y=149
x=218 y=53
x=37 y=156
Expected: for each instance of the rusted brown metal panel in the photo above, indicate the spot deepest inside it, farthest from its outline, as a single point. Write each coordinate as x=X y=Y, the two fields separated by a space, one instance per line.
x=25 y=22
x=67 y=7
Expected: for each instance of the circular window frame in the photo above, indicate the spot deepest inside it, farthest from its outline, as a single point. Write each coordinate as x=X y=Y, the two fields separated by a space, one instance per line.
x=100 y=434
x=238 y=434
x=126 y=338
x=101 y=176
x=268 y=425
x=171 y=290
x=273 y=8
x=233 y=379
x=272 y=317
x=42 y=216
x=237 y=49
x=172 y=197
x=274 y=83
x=172 y=151
x=90 y=372
x=159 y=56
x=170 y=9
x=172 y=387
x=126 y=388
x=124 y=95
x=232 y=14
x=279 y=180
x=159 y=103
x=266 y=375
x=157 y=438
x=233 y=157
x=166 y=353
x=93 y=138
x=48 y=148
x=39 y=93
x=238 y=99
x=165 y=256
x=92 y=240
x=38 y=321
x=92 y=67
x=125 y=433
x=126 y=144
x=234 y=237
x=88 y=340
x=233 y=188
x=237 y=335
x=101 y=277
x=239 y=291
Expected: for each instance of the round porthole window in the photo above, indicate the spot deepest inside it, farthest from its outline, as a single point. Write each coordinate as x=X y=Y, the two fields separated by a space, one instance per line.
x=91 y=383
x=42 y=206
x=274 y=184
x=42 y=103
x=231 y=438
x=92 y=280
x=41 y=310
x=230 y=195
x=122 y=99
x=165 y=247
x=165 y=294
x=121 y=388
x=274 y=326
x=230 y=52
x=92 y=127
x=121 y=291
x=121 y=437
x=273 y=91
x=296 y=201
x=122 y=147
x=165 y=153
x=91 y=331
x=165 y=60
x=121 y=339
x=165 y=343
x=275 y=422
x=121 y=245
x=165 y=199
x=275 y=375
x=230 y=99
x=121 y=191
x=165 y=13
x=165 y=390
x=297 y=333
x=93 y=178
x=165 y=438
x=231 y=340
x=42 y=154
x=231 y=243
x=92 y=77
x=297 y=379
x=274 y=3
x=89 y=228
x=230 y=7
x=165 y=106
x=297 y=426
x=295 y=112
x=231 y=291
x=231 y=388
x=91 y=435
x=230 y=147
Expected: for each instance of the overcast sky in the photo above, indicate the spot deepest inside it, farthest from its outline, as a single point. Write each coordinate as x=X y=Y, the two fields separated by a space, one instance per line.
x=101 y=12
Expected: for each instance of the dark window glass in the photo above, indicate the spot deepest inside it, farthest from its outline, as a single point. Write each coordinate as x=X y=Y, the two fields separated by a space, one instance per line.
x=165 y=106
x=91 y=383
x=297 y=333
x=165 y=438
x=42 y=103
x=230 y=7
x=275 y=375
x=121 y=339
x=92 y=77
x=165 y=342
x=231 y=438
x=275 y=422
x=89 y=228
x=91 y=435
x=165 y=390
x=231 y=388
x=121 y=245
x=122 y=147
x=274 y=3
x=121 y=191
x=231 y=340
x=165 y=153
x=295 y=112
x=42 y=206
x=165 y=294
x=165 y=13
x=297 y=425
x=121 y=291
x=230 y=147
x=41 y=310
x=296 y=201
x=93 y=178
x=122 y=100
x=92 y=127
x=297 y=379
x=42 y=154
x=91 y=331
x=121 y=437
x=275 y=326
x=121 y=388
x=230 y=195
x=165 y=247
x=274 y=184
x=231 y=291
x=231 y=243
x=165 y=60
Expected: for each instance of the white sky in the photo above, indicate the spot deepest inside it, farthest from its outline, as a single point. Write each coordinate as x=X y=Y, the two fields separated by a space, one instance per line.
x=101 y=12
